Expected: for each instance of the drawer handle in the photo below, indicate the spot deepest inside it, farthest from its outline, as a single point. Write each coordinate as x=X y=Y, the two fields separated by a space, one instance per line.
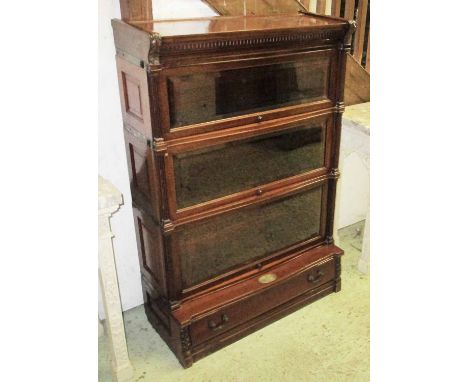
x=214 y=326
x=315 y=279
x=259 y=118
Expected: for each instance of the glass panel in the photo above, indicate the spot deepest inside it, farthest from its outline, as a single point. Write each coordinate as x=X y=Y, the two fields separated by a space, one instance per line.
x=208 y=96
x=181 y=9
x=225 y=169
x=256 y=7
x=214 y=246
x=184 y=9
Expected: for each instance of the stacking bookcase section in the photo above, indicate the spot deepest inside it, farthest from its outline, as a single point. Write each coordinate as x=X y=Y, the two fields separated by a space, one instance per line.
x=214 y=169
x=232 y=131
x=252 y=88
x=250 y=235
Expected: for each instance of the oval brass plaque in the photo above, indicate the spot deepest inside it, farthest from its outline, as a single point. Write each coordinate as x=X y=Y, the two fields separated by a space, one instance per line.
x=268 y=278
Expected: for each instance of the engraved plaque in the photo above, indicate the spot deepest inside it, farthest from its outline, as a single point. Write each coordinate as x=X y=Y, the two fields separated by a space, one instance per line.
x=268 y=278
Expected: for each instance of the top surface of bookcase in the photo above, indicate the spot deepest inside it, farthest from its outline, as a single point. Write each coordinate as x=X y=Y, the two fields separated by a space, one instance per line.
x=255 y=7
x=229 y=24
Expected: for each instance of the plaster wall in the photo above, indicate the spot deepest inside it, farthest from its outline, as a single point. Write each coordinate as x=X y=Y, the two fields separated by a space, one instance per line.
x=112 y=159
x=353 y=199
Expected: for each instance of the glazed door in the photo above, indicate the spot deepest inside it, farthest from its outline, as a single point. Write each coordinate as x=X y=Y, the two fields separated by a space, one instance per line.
x=265 y=88
x=228 y=168
x=221 y=244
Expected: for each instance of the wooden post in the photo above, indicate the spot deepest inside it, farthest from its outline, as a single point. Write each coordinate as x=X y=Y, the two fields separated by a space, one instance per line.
x=136 y=10
x=335 y=8
x=349 y=10
x=321 y=6
x=361 y=30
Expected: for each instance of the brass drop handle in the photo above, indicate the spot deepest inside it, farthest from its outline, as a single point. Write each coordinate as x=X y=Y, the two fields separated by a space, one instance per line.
x=214 y=326
x=315 y=279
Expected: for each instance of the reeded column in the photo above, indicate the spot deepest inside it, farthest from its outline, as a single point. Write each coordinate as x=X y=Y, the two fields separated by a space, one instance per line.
x=110 y=200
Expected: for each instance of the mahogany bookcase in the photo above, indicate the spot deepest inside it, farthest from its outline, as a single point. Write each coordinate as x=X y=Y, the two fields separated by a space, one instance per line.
x=232 y=131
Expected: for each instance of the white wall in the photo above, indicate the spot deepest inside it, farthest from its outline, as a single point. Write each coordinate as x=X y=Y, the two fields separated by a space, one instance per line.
x=353 y=198
x=112 y=160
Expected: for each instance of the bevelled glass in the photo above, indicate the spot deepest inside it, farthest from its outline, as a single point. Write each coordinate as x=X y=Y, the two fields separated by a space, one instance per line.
x=212 y=247
x=225 y=169
x=208 y=96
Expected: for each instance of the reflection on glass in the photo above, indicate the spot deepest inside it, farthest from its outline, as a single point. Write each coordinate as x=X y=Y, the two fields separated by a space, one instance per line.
x=212 y=247
x=256 y=7
x=193 y=9
x=182 y=9
x=208 y=96
x=221 y=170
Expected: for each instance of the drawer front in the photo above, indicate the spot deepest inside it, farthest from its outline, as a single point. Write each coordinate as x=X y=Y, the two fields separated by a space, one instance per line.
x=248 y=308
x=226 y=168
x=206 y=94
x=219 y=244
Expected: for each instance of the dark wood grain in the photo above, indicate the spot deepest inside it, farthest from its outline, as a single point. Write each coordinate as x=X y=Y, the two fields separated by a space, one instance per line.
x=201 y=256
x=287 y=287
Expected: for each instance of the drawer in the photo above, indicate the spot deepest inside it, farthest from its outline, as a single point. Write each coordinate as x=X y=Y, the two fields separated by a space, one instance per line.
x=281 y=290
